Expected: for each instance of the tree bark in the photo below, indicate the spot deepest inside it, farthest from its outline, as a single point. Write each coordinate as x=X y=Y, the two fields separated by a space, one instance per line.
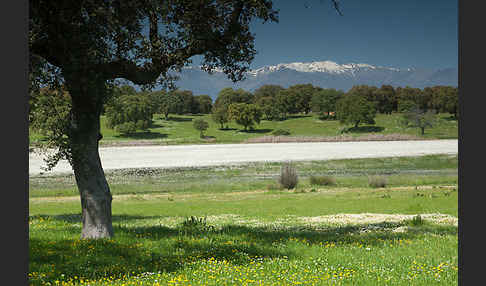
x=90 y=178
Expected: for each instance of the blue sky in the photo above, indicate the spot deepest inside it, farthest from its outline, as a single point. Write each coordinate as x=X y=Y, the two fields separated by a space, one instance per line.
x=391 y=33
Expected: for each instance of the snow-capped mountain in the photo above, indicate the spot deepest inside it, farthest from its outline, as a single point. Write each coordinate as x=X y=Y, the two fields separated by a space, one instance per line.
x=326 y=74
x=325 y=66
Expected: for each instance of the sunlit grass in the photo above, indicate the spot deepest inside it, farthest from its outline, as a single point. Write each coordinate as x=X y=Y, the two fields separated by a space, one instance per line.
x=244 y=234
x=179 y=130
x=147 y=251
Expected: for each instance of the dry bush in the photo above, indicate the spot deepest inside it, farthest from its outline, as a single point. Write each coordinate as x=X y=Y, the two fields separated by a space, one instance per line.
x=322 y=180
x=377 y=181
x=274 y=187
x=288 y=176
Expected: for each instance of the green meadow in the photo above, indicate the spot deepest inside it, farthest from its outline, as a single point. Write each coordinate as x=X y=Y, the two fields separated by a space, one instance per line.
x=179 y=130
x=233 y=225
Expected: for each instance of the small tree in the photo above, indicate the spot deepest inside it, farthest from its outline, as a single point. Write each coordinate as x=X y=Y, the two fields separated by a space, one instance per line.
x=244 y=114
x=419 y=118
x=201 y=125
x=219 y=115
x=355 y=109
x=269 y=107
x=164 y=103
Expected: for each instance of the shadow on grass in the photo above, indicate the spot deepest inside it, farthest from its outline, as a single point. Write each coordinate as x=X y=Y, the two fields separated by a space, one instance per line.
x=227 y=129
x=449 y=118
x=294 y=116
x=143 y=135
x=76 y=218
x=257 y=131
x=139 y=249
x=179 y=119
x=365 y=129
x=156 y=125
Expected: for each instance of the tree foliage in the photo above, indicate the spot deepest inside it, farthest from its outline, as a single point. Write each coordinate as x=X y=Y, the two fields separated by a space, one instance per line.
x=266 y=98
x=418 y=118
x=228 y=96
x=201 y=125
x=49 y=115
x=164 y=102
x=355 y=109
x=129 y=113
x=205 y=103
x=244 y=114
x=324 y=101
x=219 y=114
x=301 y=95
x=385 y=99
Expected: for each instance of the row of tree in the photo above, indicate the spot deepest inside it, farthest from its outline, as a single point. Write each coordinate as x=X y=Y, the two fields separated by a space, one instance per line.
x=277 y=102
x=359 y=104
x=128 y=110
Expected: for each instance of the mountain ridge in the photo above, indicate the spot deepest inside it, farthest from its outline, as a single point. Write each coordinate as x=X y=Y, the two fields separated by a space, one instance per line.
x=326 y=74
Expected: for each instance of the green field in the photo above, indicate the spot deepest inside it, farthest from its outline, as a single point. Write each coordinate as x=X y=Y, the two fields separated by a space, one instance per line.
x=179 y=130
x=246 y=231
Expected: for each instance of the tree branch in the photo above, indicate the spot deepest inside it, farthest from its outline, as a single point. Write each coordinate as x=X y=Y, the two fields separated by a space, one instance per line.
x=41 y=48
x=161 y=63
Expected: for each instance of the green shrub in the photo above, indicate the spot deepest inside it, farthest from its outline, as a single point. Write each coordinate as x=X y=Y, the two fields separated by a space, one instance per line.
x=288 y=176
x=280 y=132
x=416 y=221
x=125 y=128
x=377 y=182
x=201 y=125
x=322 y=180
x=194 y=225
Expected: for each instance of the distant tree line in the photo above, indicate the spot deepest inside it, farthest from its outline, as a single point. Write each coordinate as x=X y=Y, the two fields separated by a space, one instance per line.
x=128 y=110
x=359 y=105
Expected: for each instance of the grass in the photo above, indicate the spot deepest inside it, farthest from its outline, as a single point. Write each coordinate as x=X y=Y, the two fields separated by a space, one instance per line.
x=220 y=226
x=399 y=171
x=179 y=130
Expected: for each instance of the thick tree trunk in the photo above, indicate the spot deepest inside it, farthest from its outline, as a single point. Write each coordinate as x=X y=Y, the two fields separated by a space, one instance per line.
x=90 y=178
x=93 y=188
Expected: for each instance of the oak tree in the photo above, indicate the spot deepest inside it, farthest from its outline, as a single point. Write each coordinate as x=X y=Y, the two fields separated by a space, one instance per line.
x=85 y=46
x=244 y=114
x=355 y=109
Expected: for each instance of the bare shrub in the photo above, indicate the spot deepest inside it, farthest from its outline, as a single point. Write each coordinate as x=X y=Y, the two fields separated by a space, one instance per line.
x=274 y=187
x=377 y=181
x=288 y=176
x=322 y=180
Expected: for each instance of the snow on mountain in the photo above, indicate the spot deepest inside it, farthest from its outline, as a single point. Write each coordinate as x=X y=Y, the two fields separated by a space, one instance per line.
x=324 y=66
x=326 y=74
